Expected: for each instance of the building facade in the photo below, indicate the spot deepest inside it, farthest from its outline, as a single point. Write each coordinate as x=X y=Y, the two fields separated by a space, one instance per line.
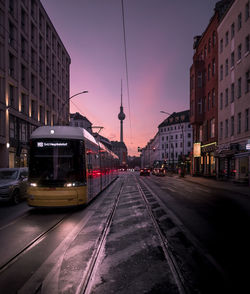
x=176 y=139
x=120 y=149
x=234 y=92
x=151 y=152
x=204 y=95
x=34 y=77
x=78 y=120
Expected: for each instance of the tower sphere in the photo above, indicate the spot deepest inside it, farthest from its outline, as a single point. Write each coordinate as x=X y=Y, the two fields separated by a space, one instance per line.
x=121 y=115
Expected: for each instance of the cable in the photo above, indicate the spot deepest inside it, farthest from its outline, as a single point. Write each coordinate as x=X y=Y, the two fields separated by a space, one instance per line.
x=126 y=63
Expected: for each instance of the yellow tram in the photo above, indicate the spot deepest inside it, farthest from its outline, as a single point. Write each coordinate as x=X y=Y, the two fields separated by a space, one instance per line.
x=67 y=167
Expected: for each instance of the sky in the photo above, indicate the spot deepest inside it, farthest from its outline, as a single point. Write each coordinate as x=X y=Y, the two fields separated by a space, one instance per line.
x=159 y=42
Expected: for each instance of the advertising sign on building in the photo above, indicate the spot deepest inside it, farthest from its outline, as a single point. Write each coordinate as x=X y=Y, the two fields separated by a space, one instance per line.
x=197 y=149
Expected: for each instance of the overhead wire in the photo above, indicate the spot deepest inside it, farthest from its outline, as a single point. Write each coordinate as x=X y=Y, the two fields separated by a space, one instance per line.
x=126 y=65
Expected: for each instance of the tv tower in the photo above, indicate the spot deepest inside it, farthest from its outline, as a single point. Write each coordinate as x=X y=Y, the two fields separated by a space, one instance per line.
x=121 y=117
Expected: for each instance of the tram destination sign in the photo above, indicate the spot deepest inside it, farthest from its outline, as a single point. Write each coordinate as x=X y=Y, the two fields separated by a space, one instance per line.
x=51 y=144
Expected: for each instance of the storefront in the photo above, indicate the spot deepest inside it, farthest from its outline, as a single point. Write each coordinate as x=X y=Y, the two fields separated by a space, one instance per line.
x=242 y=161
x=207 y=161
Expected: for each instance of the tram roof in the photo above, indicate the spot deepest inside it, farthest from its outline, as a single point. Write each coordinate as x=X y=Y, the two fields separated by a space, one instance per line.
x=62 y=132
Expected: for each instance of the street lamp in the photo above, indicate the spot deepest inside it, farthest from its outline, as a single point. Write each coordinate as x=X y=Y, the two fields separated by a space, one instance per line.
x=181 y=131
x=83 y=92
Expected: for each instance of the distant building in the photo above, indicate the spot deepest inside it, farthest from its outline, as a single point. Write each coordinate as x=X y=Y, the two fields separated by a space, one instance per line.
x=78 y=120
x=175 y=139
x=151 y=152
x=105 y=141
x=34 y=77
x=120 y=149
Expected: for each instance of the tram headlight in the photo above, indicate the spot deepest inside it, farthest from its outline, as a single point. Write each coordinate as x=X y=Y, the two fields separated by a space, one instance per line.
x=33 y=184
x=70 y=185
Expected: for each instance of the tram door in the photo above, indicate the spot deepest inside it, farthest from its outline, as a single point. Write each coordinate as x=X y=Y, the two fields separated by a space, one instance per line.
x=90 y=175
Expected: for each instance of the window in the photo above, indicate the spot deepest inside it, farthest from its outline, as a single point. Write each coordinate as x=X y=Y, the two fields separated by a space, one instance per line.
x=221 y=45
x=226 y=128
x=24 y=19
x=221 y=130
x=33 y=109
x=247 y=84
x=232 y=59
x=221 y=72
x=209 y=45
x=232 y=30
x=247 y=11
x=239 y=88
x=205 y=51
x=12 y=63
x=162 y=138
x=239 y=52
x=239 y=123
x=213 y=97
x=33 y=84
x=24 y=100
x=226 y=38
x=199 y=80
x=208 y=101
x=239 y=21
x=221 y=100
x=200 y=106
x=226 y=97
x=204 y=103
x=226 y=67
x=213 y=67
x=247 y=44
x=24 y=74
x=212 y=128
x=208 y=72
x=214 y=38
x=232 y=92
x=232 y=125
x=12 y=96
x=247 y=120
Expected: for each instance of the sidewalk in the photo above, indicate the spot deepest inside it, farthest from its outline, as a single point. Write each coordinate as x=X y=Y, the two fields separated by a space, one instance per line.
x=224 y=185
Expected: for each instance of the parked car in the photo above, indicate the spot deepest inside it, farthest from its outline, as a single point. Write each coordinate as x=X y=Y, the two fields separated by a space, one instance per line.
x=13 y=184
x=145 y=171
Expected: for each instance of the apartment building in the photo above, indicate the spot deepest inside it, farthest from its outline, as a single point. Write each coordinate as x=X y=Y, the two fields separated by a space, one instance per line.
x=151 y=152
x=204 y=95
x=34 y=77
x=234 y=92
x=175 y=139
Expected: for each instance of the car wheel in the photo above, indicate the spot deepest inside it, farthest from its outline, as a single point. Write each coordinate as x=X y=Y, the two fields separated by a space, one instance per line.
x=15 y=197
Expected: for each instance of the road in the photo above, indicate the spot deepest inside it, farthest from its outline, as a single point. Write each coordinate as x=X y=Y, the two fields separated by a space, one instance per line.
x=141 y=235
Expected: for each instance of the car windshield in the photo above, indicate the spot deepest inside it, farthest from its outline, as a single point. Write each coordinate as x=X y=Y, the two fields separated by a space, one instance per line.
x=8 y=175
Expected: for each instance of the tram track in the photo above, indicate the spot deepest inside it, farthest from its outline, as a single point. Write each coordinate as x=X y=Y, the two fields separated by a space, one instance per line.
x=191 y=260
x=86 y=283
x=179 y=279
x=34 y=242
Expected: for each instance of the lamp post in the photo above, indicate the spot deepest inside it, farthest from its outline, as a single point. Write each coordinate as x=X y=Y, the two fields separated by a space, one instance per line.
x=83 y=92
x=181 y=125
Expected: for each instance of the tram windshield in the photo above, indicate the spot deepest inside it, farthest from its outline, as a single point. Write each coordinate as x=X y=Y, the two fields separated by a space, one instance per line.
x=57 y=162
